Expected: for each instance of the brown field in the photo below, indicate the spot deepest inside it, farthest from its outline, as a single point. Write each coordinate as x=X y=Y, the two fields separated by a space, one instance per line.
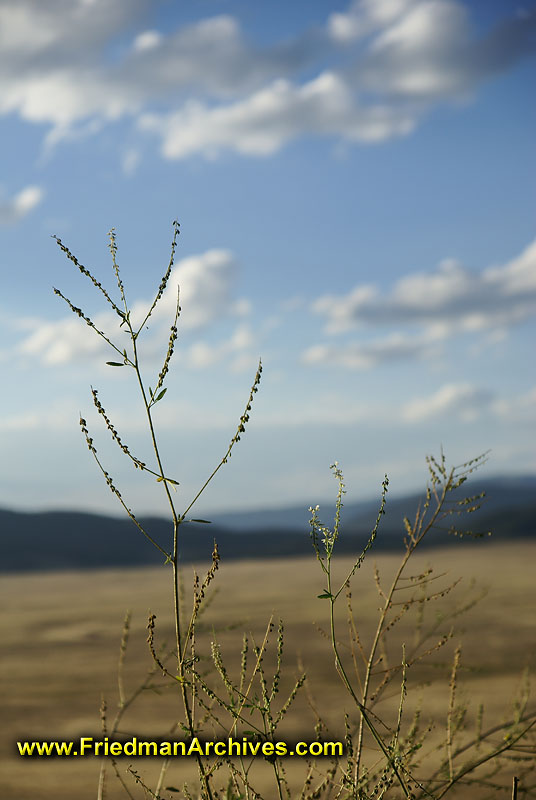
x=61 y=633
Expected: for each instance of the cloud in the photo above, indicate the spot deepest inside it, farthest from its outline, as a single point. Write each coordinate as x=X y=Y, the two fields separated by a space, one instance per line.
x=425 y=50
x=43 y=35
x=363 y=17
x=210 y=56
x=461 y=400
x=21 y=422
x=55 y=66
x=147 y=40
x=206 y=281
x=467 y=402
x=355 y=355
x=130 y=160
x=519 y=407
x=66 y=340
x=423 y=54
x=268 y=119
x=448 y=300
x=17 y=207
x=238 y=347
x=62 y=416
x=369 y=74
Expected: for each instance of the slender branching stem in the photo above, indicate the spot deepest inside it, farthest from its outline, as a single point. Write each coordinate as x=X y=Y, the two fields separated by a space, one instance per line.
x=252 y=700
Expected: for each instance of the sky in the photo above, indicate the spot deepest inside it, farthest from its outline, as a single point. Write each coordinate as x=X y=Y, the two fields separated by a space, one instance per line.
x=354 y=183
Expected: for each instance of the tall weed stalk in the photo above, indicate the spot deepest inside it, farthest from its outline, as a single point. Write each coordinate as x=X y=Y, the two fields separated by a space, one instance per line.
x=386 y=756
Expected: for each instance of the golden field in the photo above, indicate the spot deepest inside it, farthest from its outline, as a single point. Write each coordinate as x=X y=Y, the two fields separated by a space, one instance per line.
x=61 y=635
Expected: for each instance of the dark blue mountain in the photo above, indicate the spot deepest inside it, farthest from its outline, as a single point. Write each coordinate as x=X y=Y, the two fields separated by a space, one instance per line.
x=71 y=540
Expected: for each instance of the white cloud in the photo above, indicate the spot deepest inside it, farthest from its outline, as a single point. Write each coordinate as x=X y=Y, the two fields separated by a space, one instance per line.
x=66 y=340
x=206 y=282
x=364 y=17
x=56 y=415
x=355 y=355
x=461 y=400
x=130 y=160
x=56 y=68
x=341 y=310
x=262 y=123
x=53 y=64
x=417 y=55
x=425 y=50
x=425 y=27
x=422 y=52
x=448 y=300
x=21 y=422
x=17 y=207
x=518 y=407
x=147 y=40
x=238 y=348
x=40 y=33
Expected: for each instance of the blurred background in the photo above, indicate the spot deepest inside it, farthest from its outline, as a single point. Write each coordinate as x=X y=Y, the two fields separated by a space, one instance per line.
x=354 y=183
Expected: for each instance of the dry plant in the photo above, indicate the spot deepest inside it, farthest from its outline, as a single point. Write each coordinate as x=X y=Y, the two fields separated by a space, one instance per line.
x=390 y=755
x=406 y=760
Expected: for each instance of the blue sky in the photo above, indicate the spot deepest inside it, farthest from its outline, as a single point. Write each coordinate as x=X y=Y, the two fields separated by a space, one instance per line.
x=354 y=183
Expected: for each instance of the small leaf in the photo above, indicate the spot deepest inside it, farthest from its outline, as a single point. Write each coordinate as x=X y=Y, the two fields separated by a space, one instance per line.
x=325 y=596
x=160 y=395
x=114 y=364
x=172 y=789
x=204 y=521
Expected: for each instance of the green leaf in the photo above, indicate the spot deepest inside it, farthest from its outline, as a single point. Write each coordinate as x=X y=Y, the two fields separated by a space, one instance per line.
x=325 y=596
x=160 y=395
x=167 y=480
x=114 y=364
x=204 y=521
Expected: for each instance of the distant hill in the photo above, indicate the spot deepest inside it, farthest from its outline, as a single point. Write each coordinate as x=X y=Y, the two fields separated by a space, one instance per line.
x=518 y=491
x=70 y=540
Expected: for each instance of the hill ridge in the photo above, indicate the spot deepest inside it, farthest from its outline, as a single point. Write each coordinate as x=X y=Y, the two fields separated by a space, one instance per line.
x=52 y=540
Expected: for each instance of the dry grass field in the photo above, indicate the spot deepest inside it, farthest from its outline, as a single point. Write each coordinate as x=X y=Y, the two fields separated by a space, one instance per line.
x=61 y=634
